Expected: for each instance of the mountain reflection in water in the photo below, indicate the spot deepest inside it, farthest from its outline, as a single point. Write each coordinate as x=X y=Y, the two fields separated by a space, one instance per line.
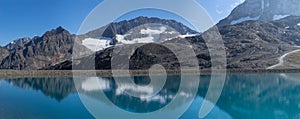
x=57 y=88
x=251 y=95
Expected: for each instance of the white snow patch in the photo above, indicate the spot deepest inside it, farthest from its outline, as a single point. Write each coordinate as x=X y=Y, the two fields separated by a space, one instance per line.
x=120 y=37
x=97 y=44
x=298 y=24
x=244 y=19
x=121 y=40
x=149 y=39
x=187 y=35
x=277 y=17
x=151 y=31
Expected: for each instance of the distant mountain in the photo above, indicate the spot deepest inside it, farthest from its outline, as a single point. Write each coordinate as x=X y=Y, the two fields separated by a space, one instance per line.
x=264 y=10
x=122 y=27
x=138 y=30
x=249 y=45
x=56 y=46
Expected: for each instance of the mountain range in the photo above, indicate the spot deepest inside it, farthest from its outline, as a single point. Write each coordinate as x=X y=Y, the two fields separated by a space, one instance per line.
x=255 y=35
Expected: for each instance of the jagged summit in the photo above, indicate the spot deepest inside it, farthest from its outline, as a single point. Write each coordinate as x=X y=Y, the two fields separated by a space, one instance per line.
x=56 y=31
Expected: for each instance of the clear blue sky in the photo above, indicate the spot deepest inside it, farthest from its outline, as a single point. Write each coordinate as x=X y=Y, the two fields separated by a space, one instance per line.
x=27 y=18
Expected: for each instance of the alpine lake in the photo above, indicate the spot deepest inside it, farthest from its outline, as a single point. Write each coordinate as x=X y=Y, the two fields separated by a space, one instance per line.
x=244 y=96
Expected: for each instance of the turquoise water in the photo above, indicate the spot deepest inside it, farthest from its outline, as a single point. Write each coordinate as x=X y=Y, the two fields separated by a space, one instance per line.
x=244 y=96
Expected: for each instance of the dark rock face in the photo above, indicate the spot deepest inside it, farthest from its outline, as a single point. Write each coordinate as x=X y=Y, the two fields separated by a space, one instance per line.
x=264 y=10
x=65 y=65
x=17 y=43
x=147 y=55
x=142 y=58
x=3 y=53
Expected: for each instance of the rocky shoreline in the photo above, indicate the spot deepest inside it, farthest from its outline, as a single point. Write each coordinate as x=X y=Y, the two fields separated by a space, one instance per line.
x=70 y=73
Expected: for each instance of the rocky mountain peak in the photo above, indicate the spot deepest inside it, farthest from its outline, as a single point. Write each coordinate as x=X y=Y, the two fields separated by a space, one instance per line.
x=58 y=30
x=122 y=27
x=264 y=10
x=52 y=47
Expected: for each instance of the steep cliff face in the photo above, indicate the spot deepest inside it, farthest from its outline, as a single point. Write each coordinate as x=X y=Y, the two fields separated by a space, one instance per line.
x=264 y=10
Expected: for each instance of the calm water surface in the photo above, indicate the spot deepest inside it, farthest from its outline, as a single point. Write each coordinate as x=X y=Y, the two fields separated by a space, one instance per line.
x=245 y=96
